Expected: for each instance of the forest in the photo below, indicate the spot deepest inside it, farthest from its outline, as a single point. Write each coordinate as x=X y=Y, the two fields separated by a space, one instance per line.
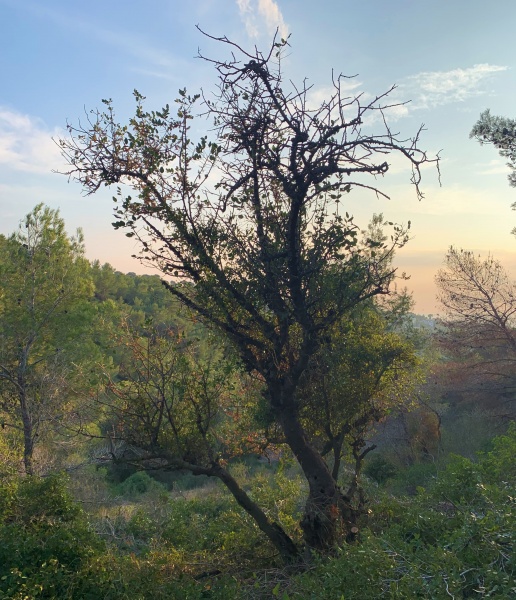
x=266 y=417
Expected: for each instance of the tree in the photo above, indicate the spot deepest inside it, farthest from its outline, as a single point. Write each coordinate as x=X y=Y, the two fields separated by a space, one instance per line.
x=480 y=307
x=177 y=402
x=250 y=226
x=501 y=133
x=44 y=284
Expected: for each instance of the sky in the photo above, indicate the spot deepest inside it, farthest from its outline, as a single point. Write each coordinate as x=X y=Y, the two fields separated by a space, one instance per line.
x=450 y=59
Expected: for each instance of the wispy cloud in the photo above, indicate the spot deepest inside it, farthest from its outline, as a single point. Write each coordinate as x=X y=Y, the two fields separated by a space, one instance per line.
x=163 y=64
x=26 y=143
x=430 y=89
x=262 y=16
x=426 y=90
x=147 y=58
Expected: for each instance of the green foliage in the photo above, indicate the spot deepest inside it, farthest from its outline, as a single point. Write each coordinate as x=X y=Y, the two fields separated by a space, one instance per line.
x=499 y=463
x=206 y=521
x=140 y=483
x=9 y=453
x=44 y=316
x=454 y=539
x=48 y=551
x=501 y=133
x=365 y=368
x=176 y=395
x=380 y=469
x=45 y=284
x=162 y=575
x=144 y=295
x=409 y=479
x=184 y=482
x=44 y=538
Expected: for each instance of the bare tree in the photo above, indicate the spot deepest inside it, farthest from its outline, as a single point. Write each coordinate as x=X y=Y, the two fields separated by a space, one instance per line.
x=253 y=224
x=480 y=303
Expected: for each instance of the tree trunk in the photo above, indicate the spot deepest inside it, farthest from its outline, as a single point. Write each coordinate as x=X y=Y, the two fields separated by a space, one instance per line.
x=28 y=425
x=359 y=456
x=337 y=455
x=326 y=509
x=282 y=542
x=28 y=437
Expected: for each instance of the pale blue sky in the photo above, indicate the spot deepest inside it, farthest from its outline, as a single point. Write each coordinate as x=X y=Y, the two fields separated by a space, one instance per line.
x=451 y=58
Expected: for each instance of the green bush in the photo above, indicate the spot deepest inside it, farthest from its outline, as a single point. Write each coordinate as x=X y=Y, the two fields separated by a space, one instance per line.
x=456 y=539
x=500 y=463
x=379 y=469
x=44 y=538
x=140 y=483
x=408 y=480
x=188 y=481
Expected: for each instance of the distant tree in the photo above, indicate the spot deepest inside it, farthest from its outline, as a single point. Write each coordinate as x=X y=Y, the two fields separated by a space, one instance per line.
x=501 y=133
x=44 y=286
x=479 y=300
x=254 y=225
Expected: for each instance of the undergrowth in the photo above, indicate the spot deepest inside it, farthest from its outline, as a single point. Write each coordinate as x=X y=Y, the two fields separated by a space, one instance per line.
x=454 y=539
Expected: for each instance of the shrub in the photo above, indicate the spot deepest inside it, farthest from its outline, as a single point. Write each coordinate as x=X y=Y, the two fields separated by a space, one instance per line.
x=380 y=469
x=408 y=480
x=140 y=483
x=44 y=538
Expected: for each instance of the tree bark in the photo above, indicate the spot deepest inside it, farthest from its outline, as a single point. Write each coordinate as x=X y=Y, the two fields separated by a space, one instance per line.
x=287 y=549
x=337 y=443
x=282 y=542
x=326 y=508
x=28 y=431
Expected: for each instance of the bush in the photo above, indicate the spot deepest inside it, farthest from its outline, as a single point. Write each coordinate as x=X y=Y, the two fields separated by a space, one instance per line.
x=408 y=480
x=380 y=469
x=499 y=464
x=140 y=483
x=44 y=538
x=454 y=539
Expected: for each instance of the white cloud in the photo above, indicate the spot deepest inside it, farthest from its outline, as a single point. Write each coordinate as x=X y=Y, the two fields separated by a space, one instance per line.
x=429 y=89
x=262 y=16
x=433 y=89
x=437 y=88
x=26 y=144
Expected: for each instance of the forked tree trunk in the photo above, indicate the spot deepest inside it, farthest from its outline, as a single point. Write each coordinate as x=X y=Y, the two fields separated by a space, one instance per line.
x=327 y=511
